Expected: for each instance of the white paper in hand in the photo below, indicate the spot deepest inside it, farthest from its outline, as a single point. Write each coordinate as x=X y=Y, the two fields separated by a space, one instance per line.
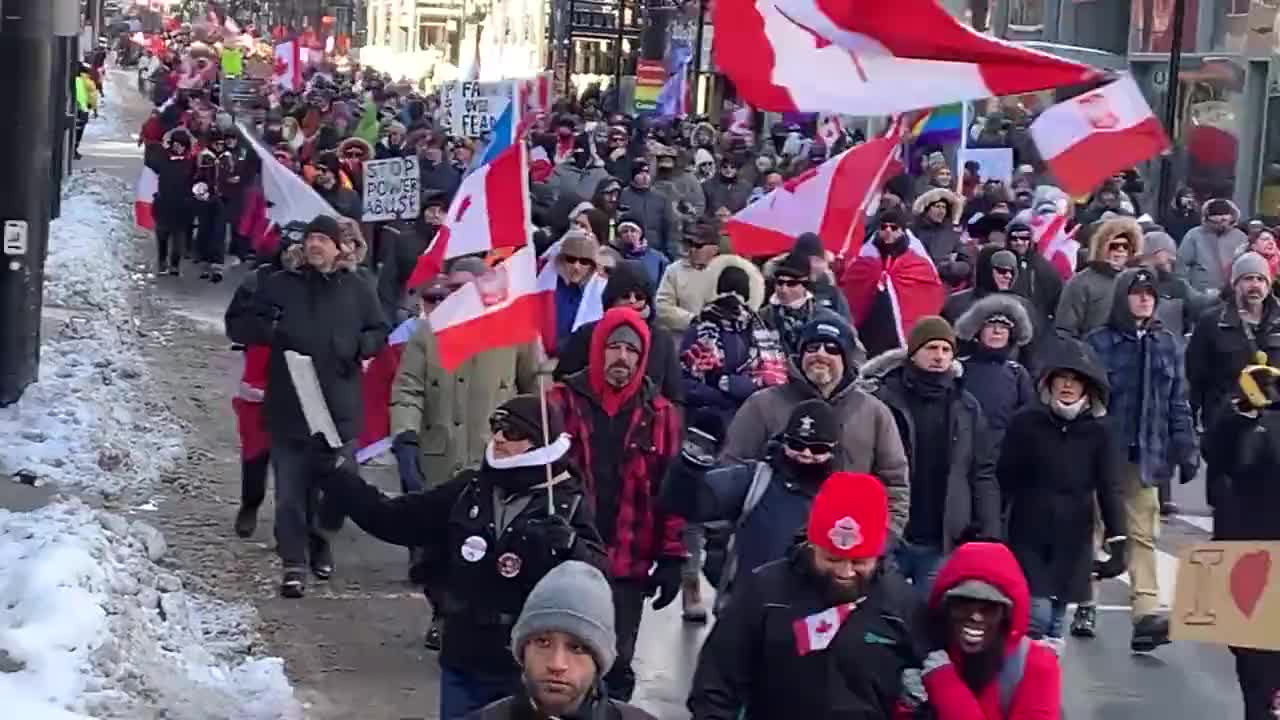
x=311 y=397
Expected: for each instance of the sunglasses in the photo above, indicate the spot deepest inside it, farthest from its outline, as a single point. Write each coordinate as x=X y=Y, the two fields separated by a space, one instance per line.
x=512 y=434
x=353 y=154
x=633 y=296
x=1002 y=271
x=816 y=448
x=585 y=262
x=1118 y=246
x=890 y=226
x=792 y=282
x=828 y=347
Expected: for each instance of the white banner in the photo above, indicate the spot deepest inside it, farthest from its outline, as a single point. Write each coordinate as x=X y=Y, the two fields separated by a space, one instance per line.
x=476 y=106
x=391 y=189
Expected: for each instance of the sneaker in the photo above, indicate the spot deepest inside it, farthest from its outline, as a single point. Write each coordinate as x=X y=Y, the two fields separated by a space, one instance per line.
x=294 y=584
x=162 y=268
x=1149 y=633
x=1085 y=622
x=215 y=277
x=691 y=598
x=175 y=271
x=1169 y=508
x=432 y=641
x=246 y=521
x=204 y=275
x=321 y=558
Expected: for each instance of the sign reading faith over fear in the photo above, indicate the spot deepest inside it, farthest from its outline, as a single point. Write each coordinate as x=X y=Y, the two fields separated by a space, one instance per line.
x=1228 y=594
x=391 y=189
x=476 y=106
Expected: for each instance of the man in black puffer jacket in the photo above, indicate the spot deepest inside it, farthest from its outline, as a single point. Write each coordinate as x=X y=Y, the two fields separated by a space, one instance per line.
x=320 y=306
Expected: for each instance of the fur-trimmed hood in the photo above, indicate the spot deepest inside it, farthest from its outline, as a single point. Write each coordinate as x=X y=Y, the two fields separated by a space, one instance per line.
x=874 y=370
x=352 y=250
x=356 y=142
x=998 y=303
x=955 y=203
x=718 y=265
x=1108 y=230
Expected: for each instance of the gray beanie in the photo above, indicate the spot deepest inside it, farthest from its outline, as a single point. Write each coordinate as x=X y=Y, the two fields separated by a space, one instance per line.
x=1157 y=240
x=574 y=598
x=1250 y=263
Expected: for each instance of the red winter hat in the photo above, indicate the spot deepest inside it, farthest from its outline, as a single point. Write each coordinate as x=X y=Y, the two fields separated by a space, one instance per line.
x=850 y=516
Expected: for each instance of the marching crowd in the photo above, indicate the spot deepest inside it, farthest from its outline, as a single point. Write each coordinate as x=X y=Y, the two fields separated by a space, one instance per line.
x=898 y=490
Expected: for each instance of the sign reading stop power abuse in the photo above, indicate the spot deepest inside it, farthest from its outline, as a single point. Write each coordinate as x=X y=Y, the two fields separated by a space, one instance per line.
x=1228 y=593
x=391 y=190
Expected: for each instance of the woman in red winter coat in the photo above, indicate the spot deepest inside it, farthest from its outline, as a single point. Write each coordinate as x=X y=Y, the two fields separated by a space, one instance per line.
x=983 y=666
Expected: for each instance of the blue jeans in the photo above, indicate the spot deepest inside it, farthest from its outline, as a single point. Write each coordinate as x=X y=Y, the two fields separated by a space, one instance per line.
x=918 y=563
x=462 y=693
x=1047 y=617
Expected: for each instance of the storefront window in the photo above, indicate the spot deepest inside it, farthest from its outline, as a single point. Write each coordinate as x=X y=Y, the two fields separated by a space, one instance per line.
x=1026 y=15
x=1151 y=26
x=1231 y=24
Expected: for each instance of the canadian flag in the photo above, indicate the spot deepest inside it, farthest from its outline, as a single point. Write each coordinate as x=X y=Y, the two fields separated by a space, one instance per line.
x=288 y=66
x=289 y=197
x=1085 y=139
x=144 y=193
x=831 y=200
x=815 y=632
x=538 y=93
x=889 y=56
x=910 y=281
x=1060 y=248
x=501 y=308
x=375 y=392
x=489 y=211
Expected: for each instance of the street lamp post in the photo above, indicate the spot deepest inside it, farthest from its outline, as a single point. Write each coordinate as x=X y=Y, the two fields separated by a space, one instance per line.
x=1171 y=101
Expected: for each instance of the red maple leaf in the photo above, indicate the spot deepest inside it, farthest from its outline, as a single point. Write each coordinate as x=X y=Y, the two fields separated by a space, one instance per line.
x=462 y=208
x=820 y=42
x=823 y=627
x=281 y=67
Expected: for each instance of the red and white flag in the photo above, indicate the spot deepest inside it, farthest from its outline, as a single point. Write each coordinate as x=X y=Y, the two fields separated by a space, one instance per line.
x=144 y=193
x=815 y=632
x=831 y=200
x=289 y=197
x=889 y=57
x=375 y=392
x=489 y=211
x=287 y=72
x=590 y=308
x=501 y=308
x=1060 y=248
x=910 y=281
x=1087 y=138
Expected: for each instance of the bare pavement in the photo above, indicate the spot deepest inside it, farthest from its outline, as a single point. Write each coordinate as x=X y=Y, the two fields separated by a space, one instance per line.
x=353 y=646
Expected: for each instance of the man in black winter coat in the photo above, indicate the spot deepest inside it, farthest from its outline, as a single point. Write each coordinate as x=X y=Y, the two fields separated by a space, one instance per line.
x=628 y=286
x=487 y=537
x=321 y=306
x=174 y=205
x=823 y=633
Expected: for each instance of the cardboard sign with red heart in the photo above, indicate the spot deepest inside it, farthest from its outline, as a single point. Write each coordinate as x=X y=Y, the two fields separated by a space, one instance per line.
x=1228 y=593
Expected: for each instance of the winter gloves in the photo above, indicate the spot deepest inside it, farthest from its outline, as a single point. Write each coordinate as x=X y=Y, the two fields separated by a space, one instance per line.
x=936 y=659
x=1118 y=561
x=405 y=448
x=664 y=581
x=554 y=533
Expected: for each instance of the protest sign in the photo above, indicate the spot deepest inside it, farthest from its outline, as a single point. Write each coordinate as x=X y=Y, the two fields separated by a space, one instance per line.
x=1225 y=595
x=993 y=163
x=477 y=106
x=391 y=189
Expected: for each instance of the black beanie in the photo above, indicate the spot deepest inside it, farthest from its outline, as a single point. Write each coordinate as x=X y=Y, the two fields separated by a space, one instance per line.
x=627 y=275
x=813 y=421
x=794 y=264
x=325 y=225
x=524 y=413
x=807 y=244
x=734 y=280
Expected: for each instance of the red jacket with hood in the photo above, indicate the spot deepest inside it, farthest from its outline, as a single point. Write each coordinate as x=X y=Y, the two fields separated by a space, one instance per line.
x=1039 y=694
x=650 y=440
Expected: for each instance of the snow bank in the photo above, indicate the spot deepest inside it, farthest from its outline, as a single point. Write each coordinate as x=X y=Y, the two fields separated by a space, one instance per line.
x=90 y=626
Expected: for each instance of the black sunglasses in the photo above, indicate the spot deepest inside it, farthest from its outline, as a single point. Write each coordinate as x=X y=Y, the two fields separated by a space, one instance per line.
x=797 y=445
x=1002 y=271
x=585 y=262
x=792 y=282
x=829 y=347
x=512 y=434
x=890 y=226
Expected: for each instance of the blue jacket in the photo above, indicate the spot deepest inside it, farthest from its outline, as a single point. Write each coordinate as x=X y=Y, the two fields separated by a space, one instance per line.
x=1148 y=415
x=654 y=262
x=567 y=299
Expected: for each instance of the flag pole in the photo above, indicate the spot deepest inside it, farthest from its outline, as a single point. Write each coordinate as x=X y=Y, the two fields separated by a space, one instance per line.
x=546 y=430
x=964 y=144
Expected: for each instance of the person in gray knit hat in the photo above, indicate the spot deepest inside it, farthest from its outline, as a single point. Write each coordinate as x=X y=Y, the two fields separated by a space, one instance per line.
x=564 y=642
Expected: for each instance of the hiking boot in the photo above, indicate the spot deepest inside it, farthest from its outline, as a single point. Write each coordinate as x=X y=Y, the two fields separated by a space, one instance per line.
x=1149 y=633
x=1084 y=625
x=321 y=558
x=1169 y=508
x=691 y=598
x=432 y=641
x=294 y=584
x=204 y=275
x=215 y=277
x=246 y=521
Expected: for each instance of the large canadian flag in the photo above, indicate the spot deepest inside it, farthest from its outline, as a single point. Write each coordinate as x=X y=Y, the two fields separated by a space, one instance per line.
x=831 y=200
x=1087 y=138
x=1053 y=241
x=870 y=57
x=288 y=66
x=489 y=211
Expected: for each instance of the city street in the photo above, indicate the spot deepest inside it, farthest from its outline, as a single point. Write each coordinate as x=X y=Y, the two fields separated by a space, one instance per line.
x=353 y=647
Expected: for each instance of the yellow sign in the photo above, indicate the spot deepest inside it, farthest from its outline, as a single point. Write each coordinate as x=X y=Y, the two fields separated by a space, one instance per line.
x=1228 y=593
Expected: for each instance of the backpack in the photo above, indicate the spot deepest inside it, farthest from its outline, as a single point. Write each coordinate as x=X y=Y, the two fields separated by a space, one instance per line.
x=755 y=492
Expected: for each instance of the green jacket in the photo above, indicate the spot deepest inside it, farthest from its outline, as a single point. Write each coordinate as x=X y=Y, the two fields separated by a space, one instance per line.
x=86 y=94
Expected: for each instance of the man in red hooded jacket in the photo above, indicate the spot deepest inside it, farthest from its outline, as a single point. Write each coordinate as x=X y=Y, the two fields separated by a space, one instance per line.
x=625 y=435
x=984 y=667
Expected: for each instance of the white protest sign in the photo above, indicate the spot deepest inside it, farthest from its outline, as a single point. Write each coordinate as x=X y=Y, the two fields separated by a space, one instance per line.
x=444 y=116
x=993 y=163
x=391 y=189
x=478 y=105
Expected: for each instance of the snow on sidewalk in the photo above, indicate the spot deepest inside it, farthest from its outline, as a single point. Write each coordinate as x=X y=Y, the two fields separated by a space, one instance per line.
x=90 y=625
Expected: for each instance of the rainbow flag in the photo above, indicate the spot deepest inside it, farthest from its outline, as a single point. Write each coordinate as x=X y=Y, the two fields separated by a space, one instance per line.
x=938 y=126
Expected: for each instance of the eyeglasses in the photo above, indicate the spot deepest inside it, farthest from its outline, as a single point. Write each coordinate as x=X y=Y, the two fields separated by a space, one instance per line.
x=1118 y=246
x=633 y=296
x=890 y=226
x=829 y=347
x=571 y=260
x=1002 y=270
x=797 y=445
x=511 y=434
x=792 y=282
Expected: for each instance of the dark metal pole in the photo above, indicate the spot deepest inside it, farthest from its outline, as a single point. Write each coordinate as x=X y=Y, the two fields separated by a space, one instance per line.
x=697 y=51
x=568 y=60
x=617 y=54
x=26 y=143
x=1171 y=102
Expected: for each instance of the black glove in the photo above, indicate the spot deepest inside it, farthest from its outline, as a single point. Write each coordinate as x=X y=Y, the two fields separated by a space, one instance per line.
x=554 y=532
x=702 y=439
x=321 y=460
x=1115 y=565
x=664 y=582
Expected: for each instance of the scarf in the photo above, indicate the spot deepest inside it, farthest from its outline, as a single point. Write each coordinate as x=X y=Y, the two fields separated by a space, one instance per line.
x=727 y=315
x=925 y=384
x=1067 y=411
x=790 y=319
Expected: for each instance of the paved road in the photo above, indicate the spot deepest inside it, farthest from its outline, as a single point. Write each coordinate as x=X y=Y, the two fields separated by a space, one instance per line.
x=353 y=646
